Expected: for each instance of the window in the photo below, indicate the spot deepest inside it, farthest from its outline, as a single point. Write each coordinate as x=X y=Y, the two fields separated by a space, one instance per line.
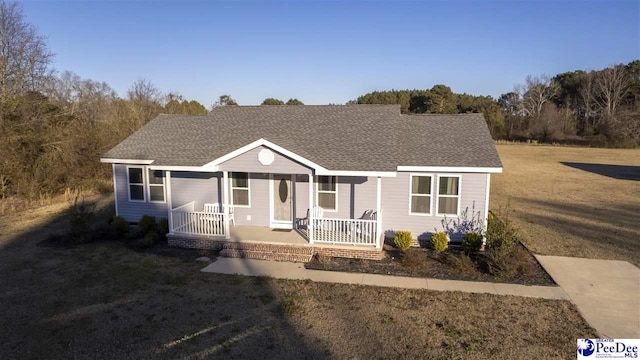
x=153 y=179
x=156 y=186
x=327 y=192
x=240 y=189
x=448 y=195
x=136 y=183
x=420 y=195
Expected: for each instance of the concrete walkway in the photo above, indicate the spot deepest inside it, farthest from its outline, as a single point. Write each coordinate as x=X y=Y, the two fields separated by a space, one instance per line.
x=606 y=292
x=296 y=271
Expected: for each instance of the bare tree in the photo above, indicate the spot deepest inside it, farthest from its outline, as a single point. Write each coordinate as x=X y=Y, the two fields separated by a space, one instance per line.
x=144 y=98
x=84 y=99
x=611 y=85
x=587 y=107
x=537 y=91
x=24 y=57
x=173 y=103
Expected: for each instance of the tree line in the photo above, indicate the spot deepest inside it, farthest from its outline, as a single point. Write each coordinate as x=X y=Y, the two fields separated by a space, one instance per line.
x=598 y=107
x=54 y=126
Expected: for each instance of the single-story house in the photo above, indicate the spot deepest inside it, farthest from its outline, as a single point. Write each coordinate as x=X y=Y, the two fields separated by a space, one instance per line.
x=340 y=177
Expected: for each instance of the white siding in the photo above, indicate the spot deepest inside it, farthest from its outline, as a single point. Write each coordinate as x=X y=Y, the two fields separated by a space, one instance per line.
x=259 y=210
x=301 y=197
x=200 y=187
x=395 y=204
x=355 y=196
x=132 y=211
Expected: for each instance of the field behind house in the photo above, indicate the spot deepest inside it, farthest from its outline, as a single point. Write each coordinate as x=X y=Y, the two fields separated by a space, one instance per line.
x=571 y=201
x=105 y=301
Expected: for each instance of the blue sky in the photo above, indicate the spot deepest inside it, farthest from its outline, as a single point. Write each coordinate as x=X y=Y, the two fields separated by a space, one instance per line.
x=331 y=51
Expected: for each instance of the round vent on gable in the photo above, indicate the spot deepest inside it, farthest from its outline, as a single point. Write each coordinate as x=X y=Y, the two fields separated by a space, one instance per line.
x=266 y=157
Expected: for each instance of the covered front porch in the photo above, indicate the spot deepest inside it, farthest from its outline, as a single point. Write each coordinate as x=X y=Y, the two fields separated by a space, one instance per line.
x=307 y=222
x=185 y=220
x=264 y=185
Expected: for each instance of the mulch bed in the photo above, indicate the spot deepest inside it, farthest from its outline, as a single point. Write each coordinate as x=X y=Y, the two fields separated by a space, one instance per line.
x=426 y=263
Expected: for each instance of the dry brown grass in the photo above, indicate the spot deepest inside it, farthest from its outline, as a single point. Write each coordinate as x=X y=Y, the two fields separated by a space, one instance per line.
x=104 y=301
x=566 y=208
x=18 y=205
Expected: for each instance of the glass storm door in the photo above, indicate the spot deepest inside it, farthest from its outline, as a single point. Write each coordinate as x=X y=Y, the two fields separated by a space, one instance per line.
x=281 y=201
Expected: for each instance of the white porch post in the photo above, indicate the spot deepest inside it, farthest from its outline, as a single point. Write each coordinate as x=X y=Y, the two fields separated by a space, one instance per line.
x=379 y=213
x=169 y=202
x=310 y=225
x=225 y=203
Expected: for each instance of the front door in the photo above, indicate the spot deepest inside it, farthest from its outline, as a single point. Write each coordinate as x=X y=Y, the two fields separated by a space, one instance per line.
x=281 y=194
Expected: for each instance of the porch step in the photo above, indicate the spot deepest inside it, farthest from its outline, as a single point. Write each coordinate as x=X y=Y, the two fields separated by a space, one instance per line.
x=263 y=255
x=267 y=252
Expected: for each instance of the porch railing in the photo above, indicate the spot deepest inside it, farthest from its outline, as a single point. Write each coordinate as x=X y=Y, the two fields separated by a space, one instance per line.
x=345 y=231
x=185 y=220
x=188 y=221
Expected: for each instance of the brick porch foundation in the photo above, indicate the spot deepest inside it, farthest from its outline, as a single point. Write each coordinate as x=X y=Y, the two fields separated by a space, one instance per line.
x=271 y=251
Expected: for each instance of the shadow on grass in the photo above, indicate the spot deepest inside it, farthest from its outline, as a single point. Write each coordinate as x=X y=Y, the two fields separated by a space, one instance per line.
x=103 y=300
x=604 y=232
x=620 y=172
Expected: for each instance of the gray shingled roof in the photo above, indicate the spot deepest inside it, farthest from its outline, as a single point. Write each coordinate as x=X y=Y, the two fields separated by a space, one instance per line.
x=445 y=140
x=349 y=138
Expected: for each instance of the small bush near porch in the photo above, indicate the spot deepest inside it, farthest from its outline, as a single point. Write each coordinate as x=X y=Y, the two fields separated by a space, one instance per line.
x=505 y=259
x=451 y=264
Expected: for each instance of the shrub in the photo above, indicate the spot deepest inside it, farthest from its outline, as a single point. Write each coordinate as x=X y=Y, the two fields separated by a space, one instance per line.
x=439 y=241
x=147 y=224
x=133 y=234
x=414 y=259
x=518 y=264
x=461 y=262
x=501 y=241
x=163 y=226
x=403 y=240
x=120 y=225
x=80 y=216
x=465 y=223
x=472 y=243
x=147 y=241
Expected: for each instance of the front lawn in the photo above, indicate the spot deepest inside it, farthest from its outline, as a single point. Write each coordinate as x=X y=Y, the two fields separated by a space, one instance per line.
x=106 y=301
x=572 y=201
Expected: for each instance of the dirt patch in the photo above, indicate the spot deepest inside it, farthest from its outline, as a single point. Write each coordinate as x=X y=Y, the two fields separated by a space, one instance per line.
x=426 y=263
x=572 y=201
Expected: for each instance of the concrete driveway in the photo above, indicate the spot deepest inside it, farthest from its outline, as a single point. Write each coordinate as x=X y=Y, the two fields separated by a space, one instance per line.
x=606 y=292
